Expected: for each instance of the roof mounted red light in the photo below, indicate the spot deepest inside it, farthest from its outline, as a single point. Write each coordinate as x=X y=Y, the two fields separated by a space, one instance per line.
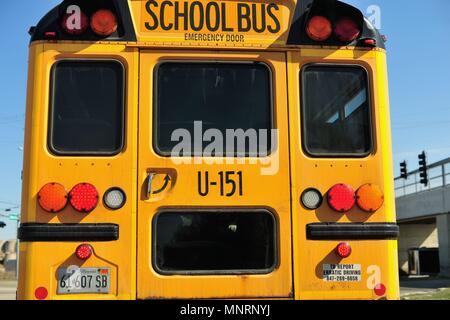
x=346 y=30
x=319 y=28
x=84 y=197
x=75 y=24
x=341 y=198
x=104 y=23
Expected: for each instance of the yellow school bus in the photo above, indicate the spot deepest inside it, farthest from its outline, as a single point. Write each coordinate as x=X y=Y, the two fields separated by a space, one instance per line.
x=207 y=149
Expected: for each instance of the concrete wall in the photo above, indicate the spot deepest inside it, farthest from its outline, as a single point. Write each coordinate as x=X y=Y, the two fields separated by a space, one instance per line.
x=415 y=236
x=443 y=224
x=423 y=204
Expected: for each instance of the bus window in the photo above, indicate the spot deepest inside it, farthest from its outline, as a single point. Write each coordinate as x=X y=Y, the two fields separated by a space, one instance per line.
x=215 y=242
x=219 y=95
x=336 y=111
x=87 y=110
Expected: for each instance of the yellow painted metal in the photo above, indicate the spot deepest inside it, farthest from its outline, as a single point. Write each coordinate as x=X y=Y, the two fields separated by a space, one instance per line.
x=230 y=24
x=39 y=261
x=378 y=259
x=271 y=191
x=298 y=274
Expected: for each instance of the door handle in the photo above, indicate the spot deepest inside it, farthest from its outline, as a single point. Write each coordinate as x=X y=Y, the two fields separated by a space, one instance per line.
x=150 y=178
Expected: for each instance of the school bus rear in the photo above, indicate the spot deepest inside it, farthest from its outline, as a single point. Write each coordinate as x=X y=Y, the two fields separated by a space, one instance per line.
x=198 y=149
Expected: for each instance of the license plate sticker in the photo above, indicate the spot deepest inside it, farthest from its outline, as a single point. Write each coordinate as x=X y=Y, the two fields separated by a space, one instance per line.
x=342 y=272
x=84 y=280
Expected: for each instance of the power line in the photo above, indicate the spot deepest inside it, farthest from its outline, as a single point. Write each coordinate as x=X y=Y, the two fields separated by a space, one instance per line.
x=9 y=203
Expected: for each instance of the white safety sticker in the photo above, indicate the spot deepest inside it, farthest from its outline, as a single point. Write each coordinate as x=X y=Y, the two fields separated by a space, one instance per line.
x=342 y=272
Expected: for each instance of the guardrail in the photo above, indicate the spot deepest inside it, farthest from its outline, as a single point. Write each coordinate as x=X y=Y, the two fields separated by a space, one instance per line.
x=438 y=176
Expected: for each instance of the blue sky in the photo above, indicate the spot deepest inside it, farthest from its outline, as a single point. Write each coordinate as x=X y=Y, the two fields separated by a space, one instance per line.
x=419 y=79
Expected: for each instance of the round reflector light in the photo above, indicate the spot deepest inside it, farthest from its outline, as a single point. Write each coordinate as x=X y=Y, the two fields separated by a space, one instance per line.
x=75 y=24
x=114 y=198
x=319 y=28
x=344 y=250
x=84 y=251
x=369 y=198
x=341 y=198
x=52 y=197
x=84 y=197
x=346 y=30
x=311 y=199
x=380 y=289
x=41 y=293
x=104 y=23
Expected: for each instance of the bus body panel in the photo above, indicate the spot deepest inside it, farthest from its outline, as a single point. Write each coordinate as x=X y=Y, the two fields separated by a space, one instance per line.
x=42 y=167
x=269 y=192
x=380 y=266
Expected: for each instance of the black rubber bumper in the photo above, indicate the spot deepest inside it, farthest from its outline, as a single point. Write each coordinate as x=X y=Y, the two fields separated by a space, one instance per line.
x=352 y=231
x=32 y=232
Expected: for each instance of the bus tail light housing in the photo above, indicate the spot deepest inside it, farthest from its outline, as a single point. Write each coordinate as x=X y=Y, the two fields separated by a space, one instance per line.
x=369 y=197
x=84 y=197
x=341 y=197
x=84 y=251
x=319 y=28
x=52 y=197
x=104 y=23
x=346 y=30
x=344 y=250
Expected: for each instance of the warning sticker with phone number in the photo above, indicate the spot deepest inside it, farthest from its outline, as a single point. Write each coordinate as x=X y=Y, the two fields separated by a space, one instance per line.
x=342 y=272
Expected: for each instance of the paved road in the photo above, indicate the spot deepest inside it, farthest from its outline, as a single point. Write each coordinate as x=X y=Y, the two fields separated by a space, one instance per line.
x=419 y=285
x=8 y=290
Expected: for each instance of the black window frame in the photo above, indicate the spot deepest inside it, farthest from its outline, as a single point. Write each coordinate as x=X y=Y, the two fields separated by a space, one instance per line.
x=50 y=126
x=332 y=155
x=158 y=151
x=267 y=271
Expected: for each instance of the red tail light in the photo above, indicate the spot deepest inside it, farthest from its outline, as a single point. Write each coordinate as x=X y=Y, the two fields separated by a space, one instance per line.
x=75 y=24
x=319 y=28
x=104 y=23
x=84 y=197
x=41 y=293
x=346 y=30
x=380 y=289
x=344 y=250
x=84 y=252
x=341 y=198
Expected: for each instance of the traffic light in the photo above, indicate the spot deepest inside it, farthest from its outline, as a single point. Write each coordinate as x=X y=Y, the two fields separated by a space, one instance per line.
x=423 y=168
x=404 y=170
x=2 y=224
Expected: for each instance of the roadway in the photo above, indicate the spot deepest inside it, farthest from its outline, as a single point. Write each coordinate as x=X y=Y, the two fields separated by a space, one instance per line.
x=8 y=290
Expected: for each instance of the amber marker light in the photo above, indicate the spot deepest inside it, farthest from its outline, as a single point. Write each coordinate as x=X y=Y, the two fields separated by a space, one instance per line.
x=369 y=197
x=52 y=197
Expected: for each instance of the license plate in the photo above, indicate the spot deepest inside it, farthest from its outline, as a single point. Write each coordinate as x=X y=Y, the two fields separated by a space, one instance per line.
x=83 y=280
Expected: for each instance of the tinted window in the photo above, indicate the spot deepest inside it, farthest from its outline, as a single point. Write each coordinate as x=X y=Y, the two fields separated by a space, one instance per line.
x=336 y=111
x=87 y=111
x=220 y=95
x=211 y=242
